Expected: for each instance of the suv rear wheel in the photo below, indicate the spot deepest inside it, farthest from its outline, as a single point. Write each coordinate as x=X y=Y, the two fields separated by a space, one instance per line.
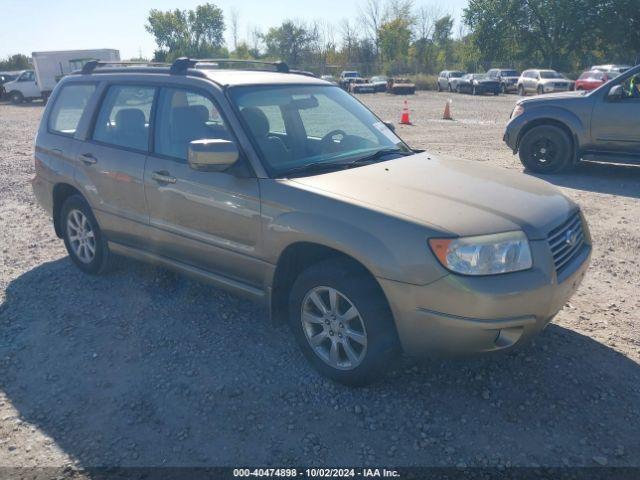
x=82 y=236
x=342 y=323
x=546 y=149
x=540 y=89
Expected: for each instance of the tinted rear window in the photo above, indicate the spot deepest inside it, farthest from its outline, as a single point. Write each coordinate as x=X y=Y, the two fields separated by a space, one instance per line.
x=69 y=107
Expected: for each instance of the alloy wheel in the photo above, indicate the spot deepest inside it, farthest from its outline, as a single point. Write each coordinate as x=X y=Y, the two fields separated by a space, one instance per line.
x=334 y=328
x=81 y=236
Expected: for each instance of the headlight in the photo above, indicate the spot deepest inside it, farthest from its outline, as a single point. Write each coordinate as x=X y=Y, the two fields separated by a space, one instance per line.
x=518 y=110
x=485 y=254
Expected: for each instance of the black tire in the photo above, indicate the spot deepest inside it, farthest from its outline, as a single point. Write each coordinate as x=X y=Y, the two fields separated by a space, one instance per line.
x=457 y=88
x=546 y=149
x=438 y=87
x=16 y=98
x=540 y=90
x=503 y=88
x=450 y=89
x=521 y=91
x=101 y=258
x=359 y=288
x=474 y=91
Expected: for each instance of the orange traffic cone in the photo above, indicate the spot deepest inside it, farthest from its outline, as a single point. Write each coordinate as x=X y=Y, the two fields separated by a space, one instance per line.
x=404 y=119
x=447 y=111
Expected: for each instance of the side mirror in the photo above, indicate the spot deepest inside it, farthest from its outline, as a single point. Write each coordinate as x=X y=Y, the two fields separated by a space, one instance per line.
x=390 y=126
x=615 y=93
x=212 y=155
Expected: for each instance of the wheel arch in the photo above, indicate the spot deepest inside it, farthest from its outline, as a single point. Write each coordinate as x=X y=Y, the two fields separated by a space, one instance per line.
x=563 y=125
x=61 y=191
x=294 y=259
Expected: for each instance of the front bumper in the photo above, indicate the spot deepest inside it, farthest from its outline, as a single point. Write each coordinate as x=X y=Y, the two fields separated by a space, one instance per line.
x=462 y=315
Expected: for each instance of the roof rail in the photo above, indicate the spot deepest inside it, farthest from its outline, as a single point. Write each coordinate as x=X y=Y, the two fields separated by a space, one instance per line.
x=91 y=65
x=180 y=65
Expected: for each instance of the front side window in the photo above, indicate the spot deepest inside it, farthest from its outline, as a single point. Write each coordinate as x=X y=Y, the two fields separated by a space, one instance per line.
x=124 y=117
x=27 y=76
x=68 y=108
x=184 y=116
x=322 y=125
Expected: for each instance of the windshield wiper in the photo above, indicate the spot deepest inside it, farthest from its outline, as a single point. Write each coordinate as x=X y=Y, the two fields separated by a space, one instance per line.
x=374 y=157
x=319 y=167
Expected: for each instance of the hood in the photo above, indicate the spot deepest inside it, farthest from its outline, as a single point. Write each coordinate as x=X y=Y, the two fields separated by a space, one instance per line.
x=454 y=197
x=571 y=96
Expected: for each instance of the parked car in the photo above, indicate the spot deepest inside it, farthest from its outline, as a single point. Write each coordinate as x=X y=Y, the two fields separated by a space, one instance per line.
x=346 y=77
x=446 y=77
x=552 y=134
x=612 y=68
x=592 y=79
x=543 y=81
x=379 y=83
x=361 y=85
x=507 y=77
x=476 y=84
x=4 y=78
x=328 y=78
x=401 y=86
x=328 y=218
x=49 y=68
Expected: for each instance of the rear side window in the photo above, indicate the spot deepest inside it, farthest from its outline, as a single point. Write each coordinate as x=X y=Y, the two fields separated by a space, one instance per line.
x=124 y=116
x=184 y=116
x=69 y=107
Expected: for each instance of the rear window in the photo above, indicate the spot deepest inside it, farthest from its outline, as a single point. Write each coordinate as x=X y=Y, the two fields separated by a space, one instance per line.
x=69 y=107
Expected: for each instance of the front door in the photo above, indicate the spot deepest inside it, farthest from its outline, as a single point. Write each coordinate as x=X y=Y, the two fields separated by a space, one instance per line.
x=615 y=123
x=27 y=85
x=111 y=162
x=210 y=220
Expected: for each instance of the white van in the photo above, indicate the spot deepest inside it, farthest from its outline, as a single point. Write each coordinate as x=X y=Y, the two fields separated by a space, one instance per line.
x=49 y=68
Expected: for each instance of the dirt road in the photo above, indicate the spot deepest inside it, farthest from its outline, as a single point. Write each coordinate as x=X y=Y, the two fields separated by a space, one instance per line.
x=142 y=367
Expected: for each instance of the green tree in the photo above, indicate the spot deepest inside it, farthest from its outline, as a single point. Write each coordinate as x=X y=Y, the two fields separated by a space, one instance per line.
x=15 y=62
x=394 y=39
x=290 y=42
x=193 y=33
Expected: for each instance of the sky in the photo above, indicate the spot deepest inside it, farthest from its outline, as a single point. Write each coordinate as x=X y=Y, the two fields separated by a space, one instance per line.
x=40 y=25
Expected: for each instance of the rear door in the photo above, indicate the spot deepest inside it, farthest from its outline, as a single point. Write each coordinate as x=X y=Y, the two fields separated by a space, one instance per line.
x=210 y=220
x=615 y=123
x=111 y=161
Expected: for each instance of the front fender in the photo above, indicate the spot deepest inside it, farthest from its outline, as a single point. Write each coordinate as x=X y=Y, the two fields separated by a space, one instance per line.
x=533 y=116
x=401 y=254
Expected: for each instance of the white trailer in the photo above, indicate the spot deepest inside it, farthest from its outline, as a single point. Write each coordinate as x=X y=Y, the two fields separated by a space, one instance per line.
x=49 y=68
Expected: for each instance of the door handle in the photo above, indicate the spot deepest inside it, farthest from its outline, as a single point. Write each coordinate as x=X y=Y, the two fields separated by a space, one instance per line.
x=163 y=177
x=88 y=159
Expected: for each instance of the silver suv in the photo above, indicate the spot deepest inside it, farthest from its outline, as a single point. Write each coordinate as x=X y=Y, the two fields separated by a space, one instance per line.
x=283 y=188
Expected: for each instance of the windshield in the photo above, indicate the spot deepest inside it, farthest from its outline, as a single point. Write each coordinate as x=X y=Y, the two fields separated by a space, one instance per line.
x=302 y=126
x=350 y=74
x=479 y=76
x=550 y=74
x=456 y=74
x=510 y=73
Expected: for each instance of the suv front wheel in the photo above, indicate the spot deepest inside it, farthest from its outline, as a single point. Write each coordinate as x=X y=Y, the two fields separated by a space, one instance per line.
x=546 y=149
x=342 y=322
x=82 y=236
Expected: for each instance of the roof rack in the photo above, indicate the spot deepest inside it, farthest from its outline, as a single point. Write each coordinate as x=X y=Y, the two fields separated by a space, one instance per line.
x=91 y=65
x=180 y=65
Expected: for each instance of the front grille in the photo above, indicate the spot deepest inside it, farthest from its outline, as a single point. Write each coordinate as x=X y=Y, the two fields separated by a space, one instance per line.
x=566 y=241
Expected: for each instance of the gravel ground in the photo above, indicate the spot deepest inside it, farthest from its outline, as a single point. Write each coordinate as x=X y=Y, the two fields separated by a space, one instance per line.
x=145 y=368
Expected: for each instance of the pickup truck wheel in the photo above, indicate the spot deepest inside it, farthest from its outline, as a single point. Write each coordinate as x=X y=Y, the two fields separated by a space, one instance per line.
x=16 y=98
x=83 y=238
x=546 y=149
x=342 y=322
